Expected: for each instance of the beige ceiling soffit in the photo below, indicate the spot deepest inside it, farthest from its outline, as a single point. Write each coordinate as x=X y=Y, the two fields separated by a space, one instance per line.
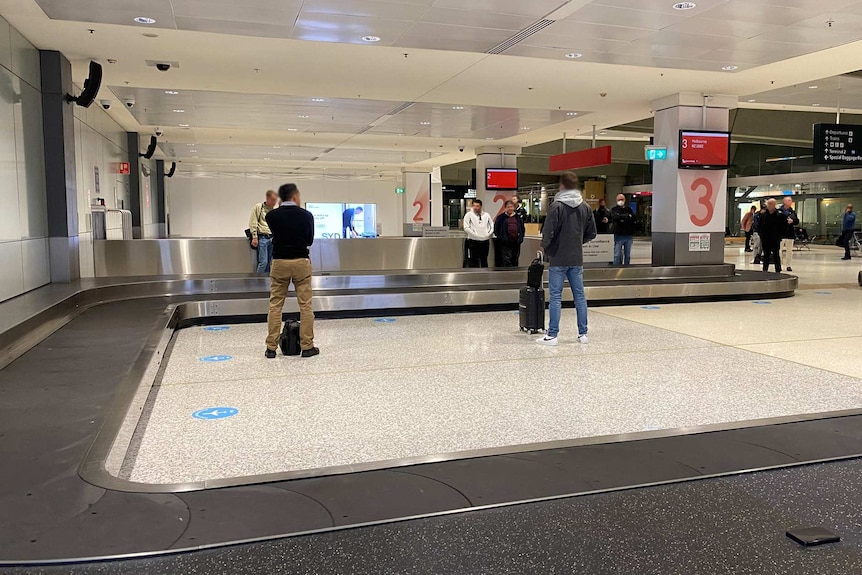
x=567 y=9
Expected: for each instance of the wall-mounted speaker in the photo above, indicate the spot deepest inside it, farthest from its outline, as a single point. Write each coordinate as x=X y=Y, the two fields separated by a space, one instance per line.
x=151 y=149
x=173 y=169
x=91 y=87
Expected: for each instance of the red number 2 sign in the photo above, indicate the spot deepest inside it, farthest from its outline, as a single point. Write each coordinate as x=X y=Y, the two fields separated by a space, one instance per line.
x=706 y=200
x=419 y=213
x=501 y=198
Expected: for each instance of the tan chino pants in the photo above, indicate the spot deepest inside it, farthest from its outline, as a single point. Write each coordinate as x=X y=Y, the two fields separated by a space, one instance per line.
x=283 y=272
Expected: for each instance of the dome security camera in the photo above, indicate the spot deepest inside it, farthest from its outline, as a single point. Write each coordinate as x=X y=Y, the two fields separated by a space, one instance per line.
x=105 y=104
x=460 y=148
x=129 y=102
x=159 y=132
x=163 y=67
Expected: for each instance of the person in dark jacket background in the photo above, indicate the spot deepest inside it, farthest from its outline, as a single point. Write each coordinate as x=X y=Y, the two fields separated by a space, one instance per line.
x=773 y=227
x=509 y=232
x=569 y=225
x=789 y=237
x=603 y=218
x=756 y=244
x=848 y=227
x=624 y=231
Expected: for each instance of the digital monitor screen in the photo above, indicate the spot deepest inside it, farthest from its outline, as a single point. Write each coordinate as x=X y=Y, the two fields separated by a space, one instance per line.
x=501 y=179
x=704 y=150
x=333 y=221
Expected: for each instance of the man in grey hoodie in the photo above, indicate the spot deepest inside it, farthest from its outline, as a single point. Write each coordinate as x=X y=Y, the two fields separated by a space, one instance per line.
x=569 y=225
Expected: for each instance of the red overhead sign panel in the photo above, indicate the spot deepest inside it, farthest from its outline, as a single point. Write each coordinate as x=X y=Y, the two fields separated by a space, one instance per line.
x=589 y=158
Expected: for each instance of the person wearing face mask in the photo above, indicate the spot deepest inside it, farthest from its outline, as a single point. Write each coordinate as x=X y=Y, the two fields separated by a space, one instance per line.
x=509 y=233
x=624 y=231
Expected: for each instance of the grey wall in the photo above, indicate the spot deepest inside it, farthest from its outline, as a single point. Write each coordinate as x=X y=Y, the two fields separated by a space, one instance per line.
x=99 y=143
x=24 y=257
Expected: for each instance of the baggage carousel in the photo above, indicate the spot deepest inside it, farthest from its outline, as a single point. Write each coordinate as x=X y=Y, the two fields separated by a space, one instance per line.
x=76 y=360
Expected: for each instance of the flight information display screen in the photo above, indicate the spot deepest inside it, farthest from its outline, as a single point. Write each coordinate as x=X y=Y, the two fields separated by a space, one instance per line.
x=704 y=150
x=501 y=179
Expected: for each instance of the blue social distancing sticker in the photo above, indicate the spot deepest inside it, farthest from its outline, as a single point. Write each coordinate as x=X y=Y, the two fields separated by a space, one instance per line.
x=216 y=358
x=823 y=292
x=650 y=307
x=215 y=413
x=385 y=320
x=763 y=303
x=217 y=328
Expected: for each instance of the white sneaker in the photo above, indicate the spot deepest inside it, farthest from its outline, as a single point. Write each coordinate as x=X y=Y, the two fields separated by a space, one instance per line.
x=547 y=340
x=583 y=339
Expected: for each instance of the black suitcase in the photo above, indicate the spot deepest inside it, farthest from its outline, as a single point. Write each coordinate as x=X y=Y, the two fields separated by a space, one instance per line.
x=535 y=272
x=289 y=340
x=531 y=309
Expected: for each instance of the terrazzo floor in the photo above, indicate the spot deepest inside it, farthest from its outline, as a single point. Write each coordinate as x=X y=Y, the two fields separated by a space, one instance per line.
x=431 y=385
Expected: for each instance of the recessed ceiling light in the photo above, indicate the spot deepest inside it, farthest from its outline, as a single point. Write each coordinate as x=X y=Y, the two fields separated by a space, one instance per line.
x=179 y=111
x=184 y=125
x=171 y=92
x=371 y=39
x=193 y=151
x=812 y=87
x=729 y=68
x=318 y=100
x=752 y=100
x=573 y=55
x=291 y=129
x=572 y=114
x=815 y=105
x=424 y=123
x=457 y=107
x=276 y=147
x=489 y=138
x=684 y=6
x=525 y=128
x=144 y=20
x=304 y=117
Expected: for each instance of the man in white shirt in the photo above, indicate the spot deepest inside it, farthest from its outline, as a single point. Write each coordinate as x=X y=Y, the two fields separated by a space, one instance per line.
x=479 y=228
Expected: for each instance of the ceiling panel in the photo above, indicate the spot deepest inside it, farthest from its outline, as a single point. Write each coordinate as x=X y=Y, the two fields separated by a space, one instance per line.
x=599 y=14
x=410 y=11
x=650 y=31
x=282 y=13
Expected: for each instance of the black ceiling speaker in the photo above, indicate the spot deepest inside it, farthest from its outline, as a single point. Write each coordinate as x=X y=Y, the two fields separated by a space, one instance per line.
x=151 y=149
x=170 y=174
x=91 y=87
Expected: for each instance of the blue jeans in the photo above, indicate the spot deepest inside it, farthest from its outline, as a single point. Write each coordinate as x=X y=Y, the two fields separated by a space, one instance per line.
x=556 y=277
x=264 y=255
x=620 y=243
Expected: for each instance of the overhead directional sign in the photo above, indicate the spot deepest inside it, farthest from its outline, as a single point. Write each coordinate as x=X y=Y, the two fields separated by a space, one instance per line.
x=838 y=144
x=654 y=153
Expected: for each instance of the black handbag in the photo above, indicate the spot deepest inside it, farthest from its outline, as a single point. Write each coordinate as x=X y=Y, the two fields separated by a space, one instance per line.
x=250 y=238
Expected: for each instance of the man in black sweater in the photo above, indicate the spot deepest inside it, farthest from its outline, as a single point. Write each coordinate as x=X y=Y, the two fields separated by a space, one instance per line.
x=292 y=232
x=772 y=226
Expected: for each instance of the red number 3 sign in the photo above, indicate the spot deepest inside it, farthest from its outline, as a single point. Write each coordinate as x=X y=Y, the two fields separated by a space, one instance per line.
x=706 y=198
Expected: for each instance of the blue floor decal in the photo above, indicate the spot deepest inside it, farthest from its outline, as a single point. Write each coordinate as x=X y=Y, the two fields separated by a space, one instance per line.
x=216 y=358
x=215 y=413
x=217 y=328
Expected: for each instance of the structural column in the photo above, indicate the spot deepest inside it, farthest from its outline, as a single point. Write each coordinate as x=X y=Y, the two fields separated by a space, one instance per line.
x=689 y=213
x=436 y=198
x=134 y=146
x=494 y=157
x=416 y=202
x=160 y=200
x=58 y=120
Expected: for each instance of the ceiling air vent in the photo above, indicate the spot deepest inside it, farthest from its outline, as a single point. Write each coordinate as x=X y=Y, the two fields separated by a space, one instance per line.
x=520 y=36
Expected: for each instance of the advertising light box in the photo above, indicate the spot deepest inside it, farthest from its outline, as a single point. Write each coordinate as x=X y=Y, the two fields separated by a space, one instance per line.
x=704 y=150
x=330 y=219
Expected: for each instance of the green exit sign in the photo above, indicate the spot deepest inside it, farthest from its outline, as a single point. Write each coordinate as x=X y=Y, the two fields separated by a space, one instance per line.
x=653 y=153
x=399 y=190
